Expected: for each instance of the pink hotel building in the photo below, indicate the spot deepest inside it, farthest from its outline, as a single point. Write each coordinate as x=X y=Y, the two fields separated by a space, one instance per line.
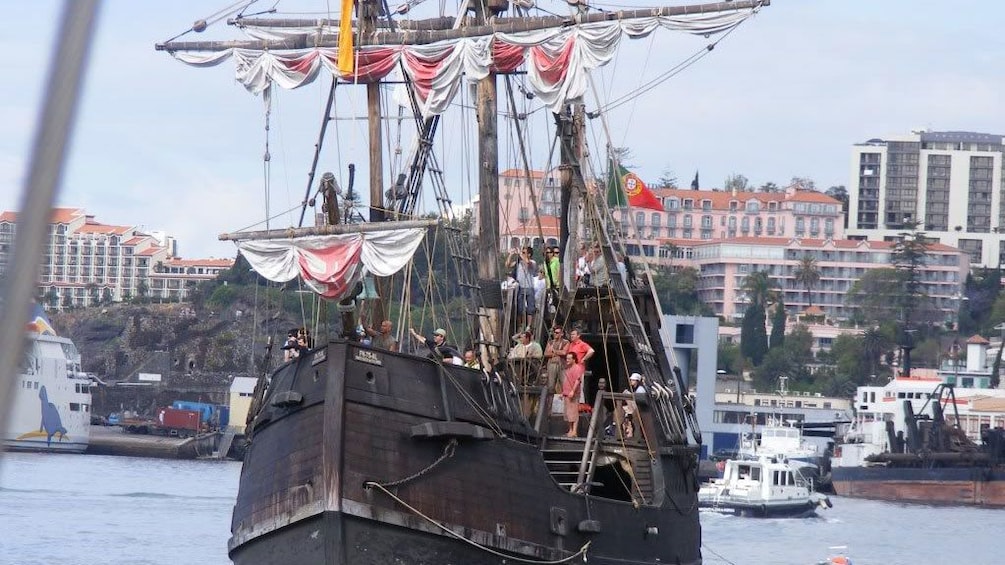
x=727 y=235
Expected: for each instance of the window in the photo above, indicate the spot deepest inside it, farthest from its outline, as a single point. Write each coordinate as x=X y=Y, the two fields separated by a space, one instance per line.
x=687 y=221
x=640 y=219
x=753 y=206
x=688 y=204
x=706 y=205
x=670 y=204
x=732 y=205
x=655 y=219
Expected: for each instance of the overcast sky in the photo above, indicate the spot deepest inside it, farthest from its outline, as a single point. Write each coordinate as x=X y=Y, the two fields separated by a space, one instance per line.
x=175 y=148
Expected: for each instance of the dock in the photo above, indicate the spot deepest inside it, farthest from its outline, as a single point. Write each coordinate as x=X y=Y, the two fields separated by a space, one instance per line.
x=111 y=440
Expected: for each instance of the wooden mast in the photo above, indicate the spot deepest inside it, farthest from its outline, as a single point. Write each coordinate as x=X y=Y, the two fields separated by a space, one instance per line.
x=487 y=257
x=369 y=14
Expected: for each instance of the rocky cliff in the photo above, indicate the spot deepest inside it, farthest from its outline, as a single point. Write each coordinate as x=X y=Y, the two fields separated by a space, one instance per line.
x=194 y=351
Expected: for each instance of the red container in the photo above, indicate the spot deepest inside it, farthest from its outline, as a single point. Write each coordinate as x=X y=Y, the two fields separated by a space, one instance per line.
x=173 y=419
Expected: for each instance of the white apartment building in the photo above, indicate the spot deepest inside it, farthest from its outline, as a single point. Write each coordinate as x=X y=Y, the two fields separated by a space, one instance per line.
x=86 y=262
x=950 y=182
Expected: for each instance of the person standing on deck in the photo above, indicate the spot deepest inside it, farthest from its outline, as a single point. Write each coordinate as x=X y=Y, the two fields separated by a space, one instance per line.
x=554 y=355
x=526 y=268
x=572 y=384
x=437 y=345
x=554 y=269
x=471 y=360
x=540 y=284
x=598 y=268
x=384 y=339
x=583 y=266
x=582 y=349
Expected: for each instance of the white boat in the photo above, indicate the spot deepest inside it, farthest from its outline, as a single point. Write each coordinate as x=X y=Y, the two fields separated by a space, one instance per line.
x=783 y=441
x=764 y=488
x=50 y=407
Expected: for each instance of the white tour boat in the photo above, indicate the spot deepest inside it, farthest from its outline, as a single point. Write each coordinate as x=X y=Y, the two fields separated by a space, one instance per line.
x=50 y=408
x=765 y=487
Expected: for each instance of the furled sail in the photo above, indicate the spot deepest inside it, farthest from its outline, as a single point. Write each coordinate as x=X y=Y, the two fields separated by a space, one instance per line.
x=331 y=265
x=557 y=60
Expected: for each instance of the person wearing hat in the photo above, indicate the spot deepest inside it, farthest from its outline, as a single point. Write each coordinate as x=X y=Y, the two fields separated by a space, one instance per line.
x=630 y=407
x=437 y=345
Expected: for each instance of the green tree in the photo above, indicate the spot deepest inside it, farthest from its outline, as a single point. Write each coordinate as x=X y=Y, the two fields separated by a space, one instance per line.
x=667 y=179
x=759 y=288
x=908 y=258
x=980 y=293
x=678 y=292
x=803 y=183
x=876 y=296
x=141 y=290
x=839 y=192
x=736 y=182
x=777 y=325
x=769 y=187
x=729 y=358
x=807 y=274
x=875 y=343
x=753 y=336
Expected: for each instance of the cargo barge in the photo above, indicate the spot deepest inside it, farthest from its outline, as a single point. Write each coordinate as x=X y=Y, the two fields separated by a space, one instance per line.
x=903 y=453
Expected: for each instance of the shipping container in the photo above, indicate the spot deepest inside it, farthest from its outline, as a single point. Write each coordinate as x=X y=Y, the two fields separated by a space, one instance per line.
x=205 y=410
x=173 y=421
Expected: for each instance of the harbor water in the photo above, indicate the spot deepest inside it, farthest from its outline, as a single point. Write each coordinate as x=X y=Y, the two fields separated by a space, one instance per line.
x=94 y=510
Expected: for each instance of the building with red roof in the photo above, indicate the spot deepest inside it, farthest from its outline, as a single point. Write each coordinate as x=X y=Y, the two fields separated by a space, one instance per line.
x=87 y=262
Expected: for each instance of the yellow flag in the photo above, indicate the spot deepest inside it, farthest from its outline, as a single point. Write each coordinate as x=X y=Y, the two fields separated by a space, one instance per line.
x=345 y=52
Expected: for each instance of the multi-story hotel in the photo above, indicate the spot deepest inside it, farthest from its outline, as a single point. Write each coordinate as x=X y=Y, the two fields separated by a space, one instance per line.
x=704 y=215
x=86 y=262
x=950 y=182
x=724 y=264
x=686 y=215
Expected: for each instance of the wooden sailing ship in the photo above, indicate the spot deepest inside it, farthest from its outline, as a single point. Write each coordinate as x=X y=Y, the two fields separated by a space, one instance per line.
x=366 y=456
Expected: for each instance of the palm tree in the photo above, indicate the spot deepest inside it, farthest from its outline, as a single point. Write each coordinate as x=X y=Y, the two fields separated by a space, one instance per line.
x=808 y=275
x=874 y=344
x=759 y=288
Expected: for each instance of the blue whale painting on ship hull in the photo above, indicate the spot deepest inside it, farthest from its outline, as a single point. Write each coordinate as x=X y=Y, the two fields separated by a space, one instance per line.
x=51 y=422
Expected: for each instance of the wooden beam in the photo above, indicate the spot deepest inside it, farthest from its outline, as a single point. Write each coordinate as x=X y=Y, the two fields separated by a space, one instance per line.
x=336 y=229
x=422 y=37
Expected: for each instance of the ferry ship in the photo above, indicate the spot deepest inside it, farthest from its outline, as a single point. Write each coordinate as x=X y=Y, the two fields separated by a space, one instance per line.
x=50 y=408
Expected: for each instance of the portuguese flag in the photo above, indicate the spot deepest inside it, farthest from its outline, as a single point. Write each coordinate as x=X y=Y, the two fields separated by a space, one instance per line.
x=625 y=188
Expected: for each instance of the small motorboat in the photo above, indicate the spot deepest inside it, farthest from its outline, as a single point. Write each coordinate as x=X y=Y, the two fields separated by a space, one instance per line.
x=767 y=487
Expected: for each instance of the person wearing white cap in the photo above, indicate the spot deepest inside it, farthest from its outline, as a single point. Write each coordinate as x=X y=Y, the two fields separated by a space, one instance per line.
x=630 y=408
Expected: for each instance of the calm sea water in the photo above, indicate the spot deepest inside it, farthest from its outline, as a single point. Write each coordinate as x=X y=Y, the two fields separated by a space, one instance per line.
x=91 y=510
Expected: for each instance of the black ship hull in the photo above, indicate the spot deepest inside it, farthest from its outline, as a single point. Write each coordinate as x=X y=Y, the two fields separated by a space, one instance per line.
x=362 y=456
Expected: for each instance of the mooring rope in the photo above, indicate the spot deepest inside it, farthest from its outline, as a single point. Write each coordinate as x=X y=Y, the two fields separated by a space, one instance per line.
x=581 y=552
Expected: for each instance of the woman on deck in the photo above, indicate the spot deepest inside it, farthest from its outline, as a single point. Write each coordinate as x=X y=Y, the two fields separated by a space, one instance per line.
x=572 y=382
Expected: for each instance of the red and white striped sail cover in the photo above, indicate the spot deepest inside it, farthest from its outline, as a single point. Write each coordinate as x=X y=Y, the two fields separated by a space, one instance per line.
x=557 y=60
x=332 y=264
